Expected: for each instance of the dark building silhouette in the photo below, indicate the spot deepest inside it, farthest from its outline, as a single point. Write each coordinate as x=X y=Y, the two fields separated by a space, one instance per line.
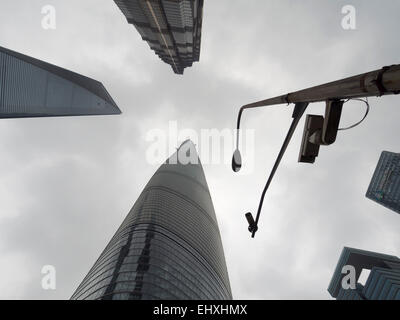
x=385 y=184
x=32 y=88
x=383 y=282
x=172 y=28
x=169 y=245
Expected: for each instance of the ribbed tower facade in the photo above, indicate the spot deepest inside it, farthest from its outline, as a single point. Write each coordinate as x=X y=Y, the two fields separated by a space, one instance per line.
x=172 y=28
x=33 y=88
x=383 y=281
x=385 y=183
x=169 y=245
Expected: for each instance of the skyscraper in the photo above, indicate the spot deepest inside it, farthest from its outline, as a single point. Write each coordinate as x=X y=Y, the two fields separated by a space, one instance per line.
x=172 y=28
x=32 y=88
x=385 y=184
x=383 y=282
x=169 y=245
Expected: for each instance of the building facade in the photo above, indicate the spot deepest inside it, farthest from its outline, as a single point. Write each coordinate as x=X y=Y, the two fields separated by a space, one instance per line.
x=32 y=88
x=168 y=246
x=385 y=184
x=172 y=28
x=383 y=281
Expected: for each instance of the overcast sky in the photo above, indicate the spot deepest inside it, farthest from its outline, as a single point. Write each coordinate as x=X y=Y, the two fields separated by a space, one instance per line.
x=66 y=184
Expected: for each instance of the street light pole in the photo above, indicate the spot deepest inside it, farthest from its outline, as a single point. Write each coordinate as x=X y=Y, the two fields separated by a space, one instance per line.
x=380 y=82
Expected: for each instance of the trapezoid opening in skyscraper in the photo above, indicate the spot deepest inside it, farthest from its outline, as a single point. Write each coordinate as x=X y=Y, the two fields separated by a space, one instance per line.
x=172 y=28
x=169 y=246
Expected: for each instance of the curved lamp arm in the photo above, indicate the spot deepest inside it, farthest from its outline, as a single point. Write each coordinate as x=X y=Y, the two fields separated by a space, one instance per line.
x=298 y=112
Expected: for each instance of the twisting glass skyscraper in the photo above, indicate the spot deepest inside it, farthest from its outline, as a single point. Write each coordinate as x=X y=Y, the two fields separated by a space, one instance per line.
x=169 y=245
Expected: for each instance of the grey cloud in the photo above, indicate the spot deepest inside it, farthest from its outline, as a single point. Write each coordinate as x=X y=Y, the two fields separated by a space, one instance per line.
x=75 y=179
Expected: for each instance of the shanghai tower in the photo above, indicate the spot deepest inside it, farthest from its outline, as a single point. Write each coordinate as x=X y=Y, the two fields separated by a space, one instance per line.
x=169 y=245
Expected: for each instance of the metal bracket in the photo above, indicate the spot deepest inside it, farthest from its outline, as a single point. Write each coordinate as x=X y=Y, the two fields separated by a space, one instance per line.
x=327 y=135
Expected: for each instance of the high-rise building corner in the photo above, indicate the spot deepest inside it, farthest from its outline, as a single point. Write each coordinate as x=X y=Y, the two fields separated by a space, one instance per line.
x=33 y=88
x=382 y=283
x=384 y=187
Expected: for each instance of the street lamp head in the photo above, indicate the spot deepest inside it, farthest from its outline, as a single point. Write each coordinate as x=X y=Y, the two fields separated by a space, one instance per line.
x=252 y=224
x=236 y=161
